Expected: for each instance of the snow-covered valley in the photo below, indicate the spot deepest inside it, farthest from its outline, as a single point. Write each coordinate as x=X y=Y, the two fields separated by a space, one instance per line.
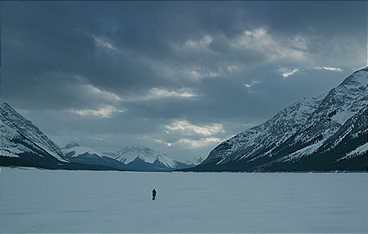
x=46 y=201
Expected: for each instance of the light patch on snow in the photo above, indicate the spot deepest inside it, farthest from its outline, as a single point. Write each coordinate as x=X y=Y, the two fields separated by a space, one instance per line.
x=9 y=148
x=45 y=201
x=308 y=150
x=78 y=150
x=342 y=116
x=358 y=151
x=9 y=152
x=168 y=162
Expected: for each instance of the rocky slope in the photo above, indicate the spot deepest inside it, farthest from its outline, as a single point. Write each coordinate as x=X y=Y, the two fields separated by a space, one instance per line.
x=322 y=133
x=22 y=143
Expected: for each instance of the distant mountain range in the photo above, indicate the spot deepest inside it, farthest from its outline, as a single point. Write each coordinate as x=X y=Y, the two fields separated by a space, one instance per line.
x=323 y=133
x=75 y=153
x=132 y=158
x=23 y=144
x=144 y=158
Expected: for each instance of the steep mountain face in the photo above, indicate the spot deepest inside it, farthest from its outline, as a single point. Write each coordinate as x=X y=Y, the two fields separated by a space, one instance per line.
x=313 y=134
x=347 y=149
x=86 y=155
x=24 y=144
x=146 y=159
x=262 y=139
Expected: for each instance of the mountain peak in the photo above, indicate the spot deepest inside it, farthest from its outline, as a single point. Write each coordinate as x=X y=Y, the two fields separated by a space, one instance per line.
x=5 y=107
x=4 y=104
x=309 y=135
x=129 y=153
x=362 y=69
x=357 y=79
x=22 y=137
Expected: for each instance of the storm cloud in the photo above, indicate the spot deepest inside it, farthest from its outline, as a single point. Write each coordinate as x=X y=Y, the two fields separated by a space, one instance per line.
x=176 y=76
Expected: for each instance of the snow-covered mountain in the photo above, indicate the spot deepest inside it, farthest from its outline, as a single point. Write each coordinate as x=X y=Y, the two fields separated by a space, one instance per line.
x=146 y=159
x=328 y=132
x=132 y=158
x=86 y=155
x=194 y=161
x=22 y=143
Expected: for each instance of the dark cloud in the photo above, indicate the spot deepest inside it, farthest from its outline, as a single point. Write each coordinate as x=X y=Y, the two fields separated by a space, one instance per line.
x=114 y=73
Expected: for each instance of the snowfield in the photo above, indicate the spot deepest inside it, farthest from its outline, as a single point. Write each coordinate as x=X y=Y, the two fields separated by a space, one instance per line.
x=46 y=201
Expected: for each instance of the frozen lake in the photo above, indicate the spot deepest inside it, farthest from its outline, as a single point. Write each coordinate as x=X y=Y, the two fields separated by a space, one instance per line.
x=86 y=201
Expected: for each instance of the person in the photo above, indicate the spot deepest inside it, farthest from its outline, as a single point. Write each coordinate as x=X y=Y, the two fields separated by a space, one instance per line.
x=154 y=194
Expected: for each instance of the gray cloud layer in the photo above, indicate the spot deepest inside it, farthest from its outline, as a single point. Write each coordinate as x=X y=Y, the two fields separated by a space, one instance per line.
x=114 y=73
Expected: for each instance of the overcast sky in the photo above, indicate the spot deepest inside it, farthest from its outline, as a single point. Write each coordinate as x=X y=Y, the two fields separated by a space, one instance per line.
x=179 y=77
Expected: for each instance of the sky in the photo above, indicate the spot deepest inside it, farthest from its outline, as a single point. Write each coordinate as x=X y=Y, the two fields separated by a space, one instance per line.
x=179 y=77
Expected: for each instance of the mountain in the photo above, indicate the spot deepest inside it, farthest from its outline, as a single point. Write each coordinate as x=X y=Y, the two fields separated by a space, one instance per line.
x=131 y=158
x=194 y=161
x=23 y=144
x=146 y=159
x=346 y=149
x=322 y=133
x=86 y=155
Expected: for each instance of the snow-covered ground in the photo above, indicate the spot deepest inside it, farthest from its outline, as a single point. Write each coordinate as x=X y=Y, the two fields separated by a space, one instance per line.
x=80 y=201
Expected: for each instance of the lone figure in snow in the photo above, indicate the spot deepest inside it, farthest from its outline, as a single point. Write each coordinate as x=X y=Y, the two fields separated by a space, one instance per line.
x=154 y=194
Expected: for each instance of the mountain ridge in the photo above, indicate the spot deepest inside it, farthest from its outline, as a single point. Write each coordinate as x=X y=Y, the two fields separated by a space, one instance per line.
x=132 y=158
x=290 y=136
x=149 y=159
